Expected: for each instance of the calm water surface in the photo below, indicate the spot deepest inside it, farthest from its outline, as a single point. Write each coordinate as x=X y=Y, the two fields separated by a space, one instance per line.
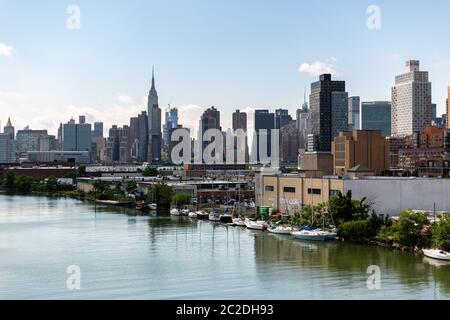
x=160 y=257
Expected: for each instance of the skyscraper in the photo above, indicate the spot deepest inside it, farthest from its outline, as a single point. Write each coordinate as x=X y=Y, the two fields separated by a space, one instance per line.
x=171 y=122
x=210 y=120
x=154 y=123
x=264 y=120
x=328 y=113
x=376 y=115
x=9 y=129
x=77 y=136
x=240 y=123
x=282 y=118
x=354 y=104
x=98 y=130
x=239 y=120
x=302 y=124
x=7 y=149
x=411 y=101
x=143 y=137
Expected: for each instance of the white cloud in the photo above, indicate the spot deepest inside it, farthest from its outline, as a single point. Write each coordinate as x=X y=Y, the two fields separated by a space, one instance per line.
x=320 y=67
x=124 y=99
x=6 y=51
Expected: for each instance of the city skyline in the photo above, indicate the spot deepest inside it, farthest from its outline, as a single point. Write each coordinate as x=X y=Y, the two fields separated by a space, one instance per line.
x=97 y=71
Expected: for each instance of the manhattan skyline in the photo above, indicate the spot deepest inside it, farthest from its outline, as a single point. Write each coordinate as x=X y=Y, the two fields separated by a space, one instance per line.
x=206 y=54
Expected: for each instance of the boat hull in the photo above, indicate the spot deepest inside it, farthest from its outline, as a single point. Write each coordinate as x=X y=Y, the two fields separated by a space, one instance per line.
x=309 y=237
x=437 y=254
x=280 y=231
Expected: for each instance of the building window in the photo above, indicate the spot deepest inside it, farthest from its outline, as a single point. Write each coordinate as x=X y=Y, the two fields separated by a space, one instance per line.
x=270 y=188
x=334 y=193
x=289 y=190
x=314 y=191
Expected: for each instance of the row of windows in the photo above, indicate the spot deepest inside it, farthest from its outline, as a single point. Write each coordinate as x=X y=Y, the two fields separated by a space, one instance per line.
x=311 y=191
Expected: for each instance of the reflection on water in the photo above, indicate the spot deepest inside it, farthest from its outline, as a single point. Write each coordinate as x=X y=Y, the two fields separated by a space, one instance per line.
x=124 y=255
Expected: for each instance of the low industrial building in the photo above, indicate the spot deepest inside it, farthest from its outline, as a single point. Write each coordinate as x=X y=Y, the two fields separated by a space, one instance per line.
x=58 y=157
x=389 y=195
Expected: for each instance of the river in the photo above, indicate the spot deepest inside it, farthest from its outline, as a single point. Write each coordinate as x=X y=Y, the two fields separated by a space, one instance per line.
x=118 y=255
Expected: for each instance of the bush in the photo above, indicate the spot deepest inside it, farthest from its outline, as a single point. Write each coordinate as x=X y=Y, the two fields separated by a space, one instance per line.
x=441 y=234
x=9 y=181
x=356 y=230
x=181 y=199
x=406 y=229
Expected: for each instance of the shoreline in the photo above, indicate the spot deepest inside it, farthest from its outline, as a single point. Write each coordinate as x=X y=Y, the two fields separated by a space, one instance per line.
x=128 y=205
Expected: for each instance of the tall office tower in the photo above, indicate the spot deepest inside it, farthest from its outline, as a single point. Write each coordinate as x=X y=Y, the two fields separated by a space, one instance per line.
x=117 y=148
x=282 y=118
x=411 y=101
x=239 y=120
x=240 y=123
x=376 y=115
x=133 y=139
x=7 y=149
x=171 y=122
x=154 y=123
x=98 y=130
x=433 y=112
x=31 y=140
x=290 y=143
x=143 y=137
x=302 y=124
x=82 y=119
x=447 y=122
x=9 y=129
x=328 y=112
x=264 y=120
x=77 y=136
x=210 y=120
x=60 y=137
x=354 y=104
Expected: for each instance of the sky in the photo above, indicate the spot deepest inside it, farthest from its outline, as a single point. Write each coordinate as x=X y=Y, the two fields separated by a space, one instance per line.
x=231 y=54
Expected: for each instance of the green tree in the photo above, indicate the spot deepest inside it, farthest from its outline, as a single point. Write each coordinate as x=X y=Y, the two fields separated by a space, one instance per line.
x=51 y=184
x=181 y=199
x=161 y=194
x=9 y=180
x=100 y=186
x=131 y=186
x=406 y=229
x=81 y=171
x=441 y=234
x=150 y=172
x=23 y=184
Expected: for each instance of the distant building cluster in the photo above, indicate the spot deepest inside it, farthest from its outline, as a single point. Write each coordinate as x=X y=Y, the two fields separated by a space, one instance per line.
x=332 y=133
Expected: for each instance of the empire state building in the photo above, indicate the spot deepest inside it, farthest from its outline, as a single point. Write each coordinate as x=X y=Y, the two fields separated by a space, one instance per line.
x=154 y=124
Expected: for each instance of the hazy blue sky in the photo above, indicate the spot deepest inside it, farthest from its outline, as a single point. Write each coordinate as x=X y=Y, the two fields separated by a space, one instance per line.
x=227 y=53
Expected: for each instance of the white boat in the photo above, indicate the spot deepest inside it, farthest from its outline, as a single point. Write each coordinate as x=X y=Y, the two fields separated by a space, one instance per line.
x=239 y=222
x=202 y=215
x=255 y=225
x=184 y=212
x=437 y=254
x=309 y=235
x=192 y=215
x=281 y=230
x=329 y=234
x=175 y=212
x=153 y=206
